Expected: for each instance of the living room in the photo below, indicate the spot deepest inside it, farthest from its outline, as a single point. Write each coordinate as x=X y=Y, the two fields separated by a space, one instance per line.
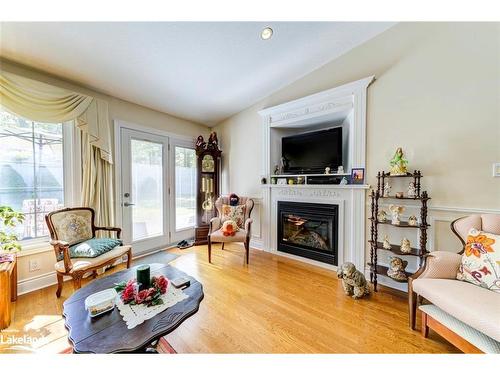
x=239 y=197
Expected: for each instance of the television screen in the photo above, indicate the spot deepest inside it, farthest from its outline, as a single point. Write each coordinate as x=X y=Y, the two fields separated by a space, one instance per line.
x=312 y=152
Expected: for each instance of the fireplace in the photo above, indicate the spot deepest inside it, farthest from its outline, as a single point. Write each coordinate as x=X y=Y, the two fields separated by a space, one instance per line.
x=309 y=230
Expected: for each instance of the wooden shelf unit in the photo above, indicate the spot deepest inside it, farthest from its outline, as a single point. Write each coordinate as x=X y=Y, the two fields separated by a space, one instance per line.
x=376 y=245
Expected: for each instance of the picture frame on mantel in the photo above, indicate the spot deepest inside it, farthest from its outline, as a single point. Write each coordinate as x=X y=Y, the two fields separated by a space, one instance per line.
x=357 y=176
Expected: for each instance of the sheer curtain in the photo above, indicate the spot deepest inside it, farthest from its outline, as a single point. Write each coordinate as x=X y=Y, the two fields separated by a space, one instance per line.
x=46 y=103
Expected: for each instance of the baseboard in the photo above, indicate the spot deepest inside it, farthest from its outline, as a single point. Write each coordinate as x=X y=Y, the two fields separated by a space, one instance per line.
x=256 y=244
x=313 y=262
x=36 y=282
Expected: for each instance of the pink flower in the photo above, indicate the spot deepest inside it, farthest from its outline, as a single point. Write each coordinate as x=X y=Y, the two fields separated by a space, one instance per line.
x=141 y=296
x=128 y=293
x=160 y=283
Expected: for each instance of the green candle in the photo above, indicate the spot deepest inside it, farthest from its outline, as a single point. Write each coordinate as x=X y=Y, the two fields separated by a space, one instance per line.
x=143 y=277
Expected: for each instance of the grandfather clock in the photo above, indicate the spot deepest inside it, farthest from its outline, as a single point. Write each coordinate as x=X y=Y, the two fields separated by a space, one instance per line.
x=208 y=189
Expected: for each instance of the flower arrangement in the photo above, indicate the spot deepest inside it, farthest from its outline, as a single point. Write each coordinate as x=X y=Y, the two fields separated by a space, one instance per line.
x=150 y=296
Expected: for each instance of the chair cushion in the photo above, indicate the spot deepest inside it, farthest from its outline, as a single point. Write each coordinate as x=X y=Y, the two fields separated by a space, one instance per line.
x=481 y=260
x=85 y=263
x=476 y=338
x=92 y=248
x=218 y=236
x=234 y=213
x=475 y=306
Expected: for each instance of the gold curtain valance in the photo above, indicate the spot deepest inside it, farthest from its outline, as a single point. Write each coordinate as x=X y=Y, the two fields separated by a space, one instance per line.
x=46 y=103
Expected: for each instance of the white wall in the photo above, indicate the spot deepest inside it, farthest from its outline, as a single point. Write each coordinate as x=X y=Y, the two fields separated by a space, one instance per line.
x=436 y=94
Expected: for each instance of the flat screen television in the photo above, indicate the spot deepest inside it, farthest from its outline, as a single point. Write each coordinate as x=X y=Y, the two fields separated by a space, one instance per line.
x=312 y=152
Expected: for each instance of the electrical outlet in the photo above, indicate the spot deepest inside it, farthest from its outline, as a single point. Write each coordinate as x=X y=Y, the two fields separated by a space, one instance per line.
x=34 y=265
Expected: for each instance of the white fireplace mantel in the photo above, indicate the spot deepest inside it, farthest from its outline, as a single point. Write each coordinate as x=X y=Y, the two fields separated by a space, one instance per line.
x=329 y=105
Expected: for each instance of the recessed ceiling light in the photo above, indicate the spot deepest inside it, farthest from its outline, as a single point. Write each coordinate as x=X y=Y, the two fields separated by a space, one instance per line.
x=266 y=33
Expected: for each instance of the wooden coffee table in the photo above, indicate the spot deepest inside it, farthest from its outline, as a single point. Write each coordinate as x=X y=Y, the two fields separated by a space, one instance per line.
x=108 y=333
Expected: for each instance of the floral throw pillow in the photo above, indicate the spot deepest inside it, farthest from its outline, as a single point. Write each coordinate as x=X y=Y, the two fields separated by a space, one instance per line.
x=481 y=260
x=234 y=213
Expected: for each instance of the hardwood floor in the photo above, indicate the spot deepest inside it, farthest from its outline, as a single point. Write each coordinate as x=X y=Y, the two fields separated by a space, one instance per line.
x=273 y=305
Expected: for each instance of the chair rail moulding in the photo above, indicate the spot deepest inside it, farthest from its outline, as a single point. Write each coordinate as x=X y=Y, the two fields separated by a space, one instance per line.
x=340 y=106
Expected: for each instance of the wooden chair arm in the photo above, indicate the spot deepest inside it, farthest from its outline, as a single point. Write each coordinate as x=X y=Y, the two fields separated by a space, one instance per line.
x=63 y=247
x=248 y=226
x=59 y=243
x=113 y=229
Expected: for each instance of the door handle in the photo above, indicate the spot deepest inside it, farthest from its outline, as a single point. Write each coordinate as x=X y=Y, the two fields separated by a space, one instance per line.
x=126 y=204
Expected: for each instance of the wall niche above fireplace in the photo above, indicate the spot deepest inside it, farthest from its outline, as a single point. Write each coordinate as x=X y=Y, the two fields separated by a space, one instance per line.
x=309 y=230
x=343 y=106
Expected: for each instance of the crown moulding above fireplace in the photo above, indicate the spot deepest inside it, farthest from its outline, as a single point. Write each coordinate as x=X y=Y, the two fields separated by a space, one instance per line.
x=344 y=105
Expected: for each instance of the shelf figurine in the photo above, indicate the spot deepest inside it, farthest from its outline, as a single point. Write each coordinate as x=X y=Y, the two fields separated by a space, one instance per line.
x=382 y=216
x=327 y=170
x=396 y=269
x=396 y=211
x=412 y=220
x=213 y=142
x=276 y=170
x=405 y=246
x=343 y=181
x=387 y=190
x=386 y=244
x=398 y=163
x=412 y=192
x=340 y=170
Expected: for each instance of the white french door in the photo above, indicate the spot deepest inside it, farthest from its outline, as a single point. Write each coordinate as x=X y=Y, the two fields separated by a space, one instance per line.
x=144 y=199
x=183 y=189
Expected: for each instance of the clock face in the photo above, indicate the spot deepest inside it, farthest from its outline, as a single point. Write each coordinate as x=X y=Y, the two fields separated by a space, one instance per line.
x=207 y=164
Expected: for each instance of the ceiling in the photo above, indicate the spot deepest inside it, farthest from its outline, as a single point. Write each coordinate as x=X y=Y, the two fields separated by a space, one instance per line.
x=201 y=71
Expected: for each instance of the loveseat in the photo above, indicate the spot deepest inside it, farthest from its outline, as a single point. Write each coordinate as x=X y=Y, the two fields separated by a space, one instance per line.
x=465 y=314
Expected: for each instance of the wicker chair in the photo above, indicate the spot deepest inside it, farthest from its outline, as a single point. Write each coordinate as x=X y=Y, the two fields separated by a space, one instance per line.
x=243 y=235
x=71 y=226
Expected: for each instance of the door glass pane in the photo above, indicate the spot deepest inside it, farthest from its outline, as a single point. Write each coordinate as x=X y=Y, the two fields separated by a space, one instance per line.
x=147 y=189
x=185 y=187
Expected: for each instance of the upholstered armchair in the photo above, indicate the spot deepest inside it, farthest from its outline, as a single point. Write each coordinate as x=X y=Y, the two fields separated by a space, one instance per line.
x=78 y=252
x=437 y=283
x=242 y=235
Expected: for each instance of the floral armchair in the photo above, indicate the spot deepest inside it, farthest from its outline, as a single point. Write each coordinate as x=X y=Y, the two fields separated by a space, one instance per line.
x=242 y=235
x=70 y=227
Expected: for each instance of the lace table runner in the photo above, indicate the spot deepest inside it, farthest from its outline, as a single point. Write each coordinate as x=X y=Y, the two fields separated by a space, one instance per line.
x=137 y=314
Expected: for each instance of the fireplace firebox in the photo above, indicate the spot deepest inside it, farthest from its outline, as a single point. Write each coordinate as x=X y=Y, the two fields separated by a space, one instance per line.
x=309 y=230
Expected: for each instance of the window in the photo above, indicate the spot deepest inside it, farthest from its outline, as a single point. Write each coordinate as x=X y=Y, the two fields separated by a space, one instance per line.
x=31 y=171
x=185 y=188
